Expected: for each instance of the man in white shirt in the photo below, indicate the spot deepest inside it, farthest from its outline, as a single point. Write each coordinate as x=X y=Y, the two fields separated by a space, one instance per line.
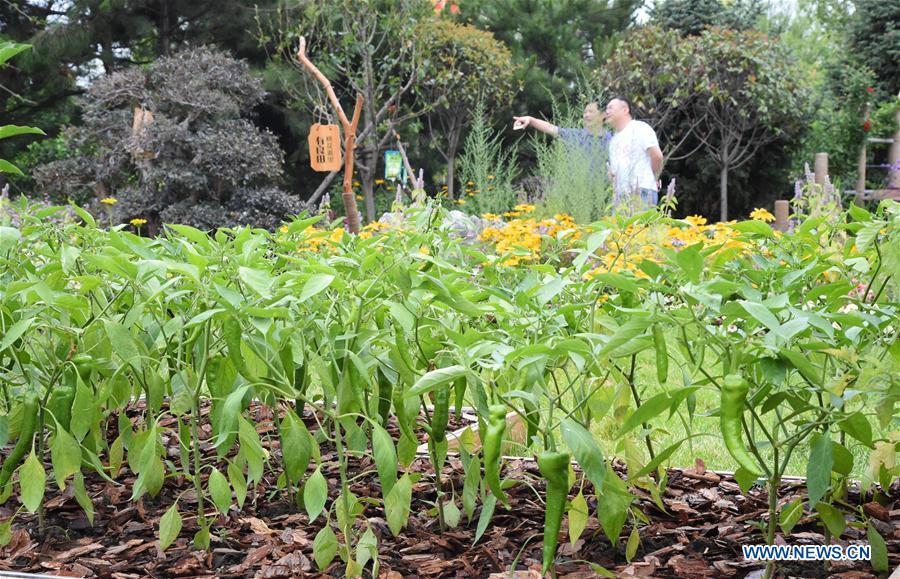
x=635 y=159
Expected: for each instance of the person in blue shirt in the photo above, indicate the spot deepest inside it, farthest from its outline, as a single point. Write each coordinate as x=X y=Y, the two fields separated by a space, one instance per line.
x=592 y=140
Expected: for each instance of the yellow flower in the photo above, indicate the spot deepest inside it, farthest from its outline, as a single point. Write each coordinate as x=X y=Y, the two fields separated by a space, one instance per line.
x=337 y=235
x=424 y=250
x=511 y=214
x=283 y=229
x=762 y=215
x=359 y=197
x=471 y=195
x=490 y=216
x=470 y=183
x=109 y=201
x=138 y=222
x=356 y=183
x=490 y=177
x=365 y=234
x=460 y=201
x=696 y=220
x=524 y=208
x=379 y=181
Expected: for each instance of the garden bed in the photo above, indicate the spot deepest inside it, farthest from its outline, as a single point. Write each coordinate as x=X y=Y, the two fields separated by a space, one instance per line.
x=700 y=533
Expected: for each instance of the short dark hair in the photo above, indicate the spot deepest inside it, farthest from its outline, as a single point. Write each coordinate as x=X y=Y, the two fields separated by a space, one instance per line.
x=624 y=100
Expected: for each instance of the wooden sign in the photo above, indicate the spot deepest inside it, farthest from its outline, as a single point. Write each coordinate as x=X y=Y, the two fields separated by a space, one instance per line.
x=325 y=148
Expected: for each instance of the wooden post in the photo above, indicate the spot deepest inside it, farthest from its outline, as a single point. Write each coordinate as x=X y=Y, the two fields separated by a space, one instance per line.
x=349 y=126
x=821 y=169
x=782 y=211
x=894 y=157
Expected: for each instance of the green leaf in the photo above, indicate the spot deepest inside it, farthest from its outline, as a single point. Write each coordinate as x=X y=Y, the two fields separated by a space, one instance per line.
x=201 y=538
x=578 y=517
x=6 y=532
x=7 y=131
x=649 y=409
x=219 y=490
x=487 y=512
x=599 y=569
x=7 y=167
x=315 y=285
x=818 y=467
x=256 y=279
x=691 y=262
x=451 y=513
x=634 y=541
x=833 y=519
x=325 y=547
x=856 y=425
x=585 y=450
x=754 y=227
x=397 y=504
x=613 y=501
x=238 y=482
x=843 y=459
x=296 y=446
x=879 y=549
x=9 y=237
x=789 y=515
x=385 y=458
x=169 y=527
x=65 y=454
x=10 y=49
x=84 y=408
x=618 y=281
x=84 y=500
x=315 y=494
x=435 y=378
x=627 y=332
x=15 y=331
x=123 y=343
x=32 y=481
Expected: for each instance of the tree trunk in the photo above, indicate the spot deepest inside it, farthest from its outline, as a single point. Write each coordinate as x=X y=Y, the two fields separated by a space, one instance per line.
x=368 y=194
x=452 y=145
x=723 y=192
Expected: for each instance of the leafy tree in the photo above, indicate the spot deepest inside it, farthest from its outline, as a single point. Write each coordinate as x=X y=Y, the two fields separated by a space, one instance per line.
x=465 y=65
x=77 y=41
x=369 y=52
x=691 y=17
x=555 y=43
x=656 y=70
x=198 y=160
x=753 y=98
x=875 y=39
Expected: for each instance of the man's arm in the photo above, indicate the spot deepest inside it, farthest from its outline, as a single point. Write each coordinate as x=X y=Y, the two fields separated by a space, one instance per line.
x=656 y=160
x=543 y=126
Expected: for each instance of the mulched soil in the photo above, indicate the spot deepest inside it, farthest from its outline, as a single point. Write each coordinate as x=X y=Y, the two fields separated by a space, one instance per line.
x=700 y=534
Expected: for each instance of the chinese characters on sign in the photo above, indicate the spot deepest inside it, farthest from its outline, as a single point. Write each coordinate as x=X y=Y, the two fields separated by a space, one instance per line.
x=325 y=147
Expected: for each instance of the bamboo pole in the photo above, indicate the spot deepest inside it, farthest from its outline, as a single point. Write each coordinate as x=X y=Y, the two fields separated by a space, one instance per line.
x=349 y=126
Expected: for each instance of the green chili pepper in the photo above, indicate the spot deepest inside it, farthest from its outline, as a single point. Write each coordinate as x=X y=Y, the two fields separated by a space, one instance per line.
x=231 y=330
x=385 y=396
x=60 y=402
x=459 y=390
x=734 y=399
x=30 y=410
x=441 y=415
x=85 y=364
x=493 y=441
x=662 y=355
x=554 y=467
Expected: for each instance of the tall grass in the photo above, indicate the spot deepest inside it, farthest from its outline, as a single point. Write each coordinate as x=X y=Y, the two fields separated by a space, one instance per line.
x=571 y=180
x=487 y=168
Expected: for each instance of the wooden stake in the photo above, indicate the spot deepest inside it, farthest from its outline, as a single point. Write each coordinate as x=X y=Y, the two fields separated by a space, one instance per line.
x=782 y=211
x=821 y=169
x=349 y=126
